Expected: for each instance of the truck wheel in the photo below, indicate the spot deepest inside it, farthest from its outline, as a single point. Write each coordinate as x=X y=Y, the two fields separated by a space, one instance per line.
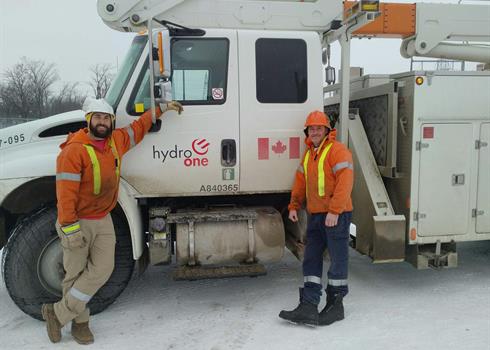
x=32 y=264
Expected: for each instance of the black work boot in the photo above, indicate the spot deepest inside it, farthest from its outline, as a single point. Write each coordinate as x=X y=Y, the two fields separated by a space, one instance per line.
x=305 y=313
x=333 y=311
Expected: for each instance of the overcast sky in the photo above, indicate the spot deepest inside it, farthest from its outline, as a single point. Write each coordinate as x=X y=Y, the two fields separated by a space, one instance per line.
x=70 y=34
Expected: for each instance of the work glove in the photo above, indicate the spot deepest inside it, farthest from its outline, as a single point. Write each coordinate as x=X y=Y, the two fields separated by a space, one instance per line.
x=171 y=106
x=71 y=236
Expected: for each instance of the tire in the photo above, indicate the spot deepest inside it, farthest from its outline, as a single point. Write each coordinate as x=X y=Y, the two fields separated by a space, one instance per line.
x=32 y=263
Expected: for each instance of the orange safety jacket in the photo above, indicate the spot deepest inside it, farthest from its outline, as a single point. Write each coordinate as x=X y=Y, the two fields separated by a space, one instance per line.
x=87 y=178
x=324 y=178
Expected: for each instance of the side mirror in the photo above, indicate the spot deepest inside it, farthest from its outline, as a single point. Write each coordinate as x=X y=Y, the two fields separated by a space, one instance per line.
x=329 y=70
x=162 y=66
x=324 y=56
x=330 y=75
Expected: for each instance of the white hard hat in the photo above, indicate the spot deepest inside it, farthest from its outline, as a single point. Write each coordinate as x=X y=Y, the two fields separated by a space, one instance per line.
x=92 y=105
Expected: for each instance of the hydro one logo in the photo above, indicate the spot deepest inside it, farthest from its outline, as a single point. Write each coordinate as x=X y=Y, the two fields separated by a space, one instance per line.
x=193 y=157
x=200 y=146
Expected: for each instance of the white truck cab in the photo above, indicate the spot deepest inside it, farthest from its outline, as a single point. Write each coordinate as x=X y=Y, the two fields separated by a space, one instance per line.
x=224 y=167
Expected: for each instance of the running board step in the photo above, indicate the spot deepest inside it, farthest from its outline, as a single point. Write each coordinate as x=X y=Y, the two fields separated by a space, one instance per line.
x=191 y=273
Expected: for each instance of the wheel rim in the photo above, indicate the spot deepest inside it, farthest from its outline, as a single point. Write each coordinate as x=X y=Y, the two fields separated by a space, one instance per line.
x=50 y=267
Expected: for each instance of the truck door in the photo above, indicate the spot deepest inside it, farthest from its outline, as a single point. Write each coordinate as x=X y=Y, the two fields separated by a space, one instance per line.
x=194 y=153
x=280 y=82
x=444 y=179
x=483 y=191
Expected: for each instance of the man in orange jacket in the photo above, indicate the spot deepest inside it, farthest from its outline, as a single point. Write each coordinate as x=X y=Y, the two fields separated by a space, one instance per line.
x=324 y=180
x=87 y=184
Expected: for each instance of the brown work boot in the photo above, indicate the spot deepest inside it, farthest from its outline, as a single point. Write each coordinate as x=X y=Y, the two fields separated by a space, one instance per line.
x=81 y=333
x=53 y=326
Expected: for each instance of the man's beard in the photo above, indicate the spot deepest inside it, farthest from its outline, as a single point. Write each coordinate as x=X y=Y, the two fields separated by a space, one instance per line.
x=100 y=134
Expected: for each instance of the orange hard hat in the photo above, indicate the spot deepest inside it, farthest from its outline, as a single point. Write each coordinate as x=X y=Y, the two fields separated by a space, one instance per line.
x=317 y=118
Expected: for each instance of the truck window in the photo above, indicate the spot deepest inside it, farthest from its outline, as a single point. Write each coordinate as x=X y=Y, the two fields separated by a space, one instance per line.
x=199 y=74
x=63 y=129
x=281 y=70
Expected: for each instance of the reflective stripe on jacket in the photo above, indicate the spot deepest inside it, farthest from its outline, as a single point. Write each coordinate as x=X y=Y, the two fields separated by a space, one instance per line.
x=324 y=178
x=96 y=165
x=76 y=182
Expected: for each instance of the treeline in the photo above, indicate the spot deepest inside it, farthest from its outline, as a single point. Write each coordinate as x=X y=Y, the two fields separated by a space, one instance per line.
x=27 y=89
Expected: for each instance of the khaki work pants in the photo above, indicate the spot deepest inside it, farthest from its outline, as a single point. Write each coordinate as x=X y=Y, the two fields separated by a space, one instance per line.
x=87 y=268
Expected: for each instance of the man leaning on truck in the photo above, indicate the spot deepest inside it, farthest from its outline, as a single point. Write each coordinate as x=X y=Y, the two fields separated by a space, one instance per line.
x=87 y=183
x=324 y=179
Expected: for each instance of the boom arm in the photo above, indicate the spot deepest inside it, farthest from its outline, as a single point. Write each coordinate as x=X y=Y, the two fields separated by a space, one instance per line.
x=430 y=30
x=440 y=31
x=132 y=15
x=452 y=31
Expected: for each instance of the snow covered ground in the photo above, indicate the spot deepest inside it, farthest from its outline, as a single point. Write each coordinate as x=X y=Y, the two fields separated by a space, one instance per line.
x=390 y=306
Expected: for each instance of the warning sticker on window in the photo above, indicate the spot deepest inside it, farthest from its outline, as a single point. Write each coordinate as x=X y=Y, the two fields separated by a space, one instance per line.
x=217 y=93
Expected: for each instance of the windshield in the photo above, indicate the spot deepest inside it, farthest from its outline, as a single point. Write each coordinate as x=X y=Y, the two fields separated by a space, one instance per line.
x=122 y=77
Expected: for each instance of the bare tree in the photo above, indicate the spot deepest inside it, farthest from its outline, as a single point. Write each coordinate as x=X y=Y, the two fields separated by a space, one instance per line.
x=42 y=75
x=101 y=79
x=69 y=98
x=15 y=92
x=26 y=88
x=5 y=107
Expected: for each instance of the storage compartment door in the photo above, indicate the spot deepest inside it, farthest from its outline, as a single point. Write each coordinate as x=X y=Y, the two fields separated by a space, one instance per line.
x=483 y=190
x=444 y=188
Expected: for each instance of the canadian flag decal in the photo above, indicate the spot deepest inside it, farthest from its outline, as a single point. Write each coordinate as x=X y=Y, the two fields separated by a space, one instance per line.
x=277 y=148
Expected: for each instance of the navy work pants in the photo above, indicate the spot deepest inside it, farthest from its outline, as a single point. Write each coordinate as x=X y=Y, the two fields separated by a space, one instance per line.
x=336 y=240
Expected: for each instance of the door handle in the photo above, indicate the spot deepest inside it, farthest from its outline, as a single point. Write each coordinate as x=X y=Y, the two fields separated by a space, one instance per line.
x=458 y=179
x=228 y=152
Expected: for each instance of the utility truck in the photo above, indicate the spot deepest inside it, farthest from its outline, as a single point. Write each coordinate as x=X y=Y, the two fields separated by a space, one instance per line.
x=208 y=190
